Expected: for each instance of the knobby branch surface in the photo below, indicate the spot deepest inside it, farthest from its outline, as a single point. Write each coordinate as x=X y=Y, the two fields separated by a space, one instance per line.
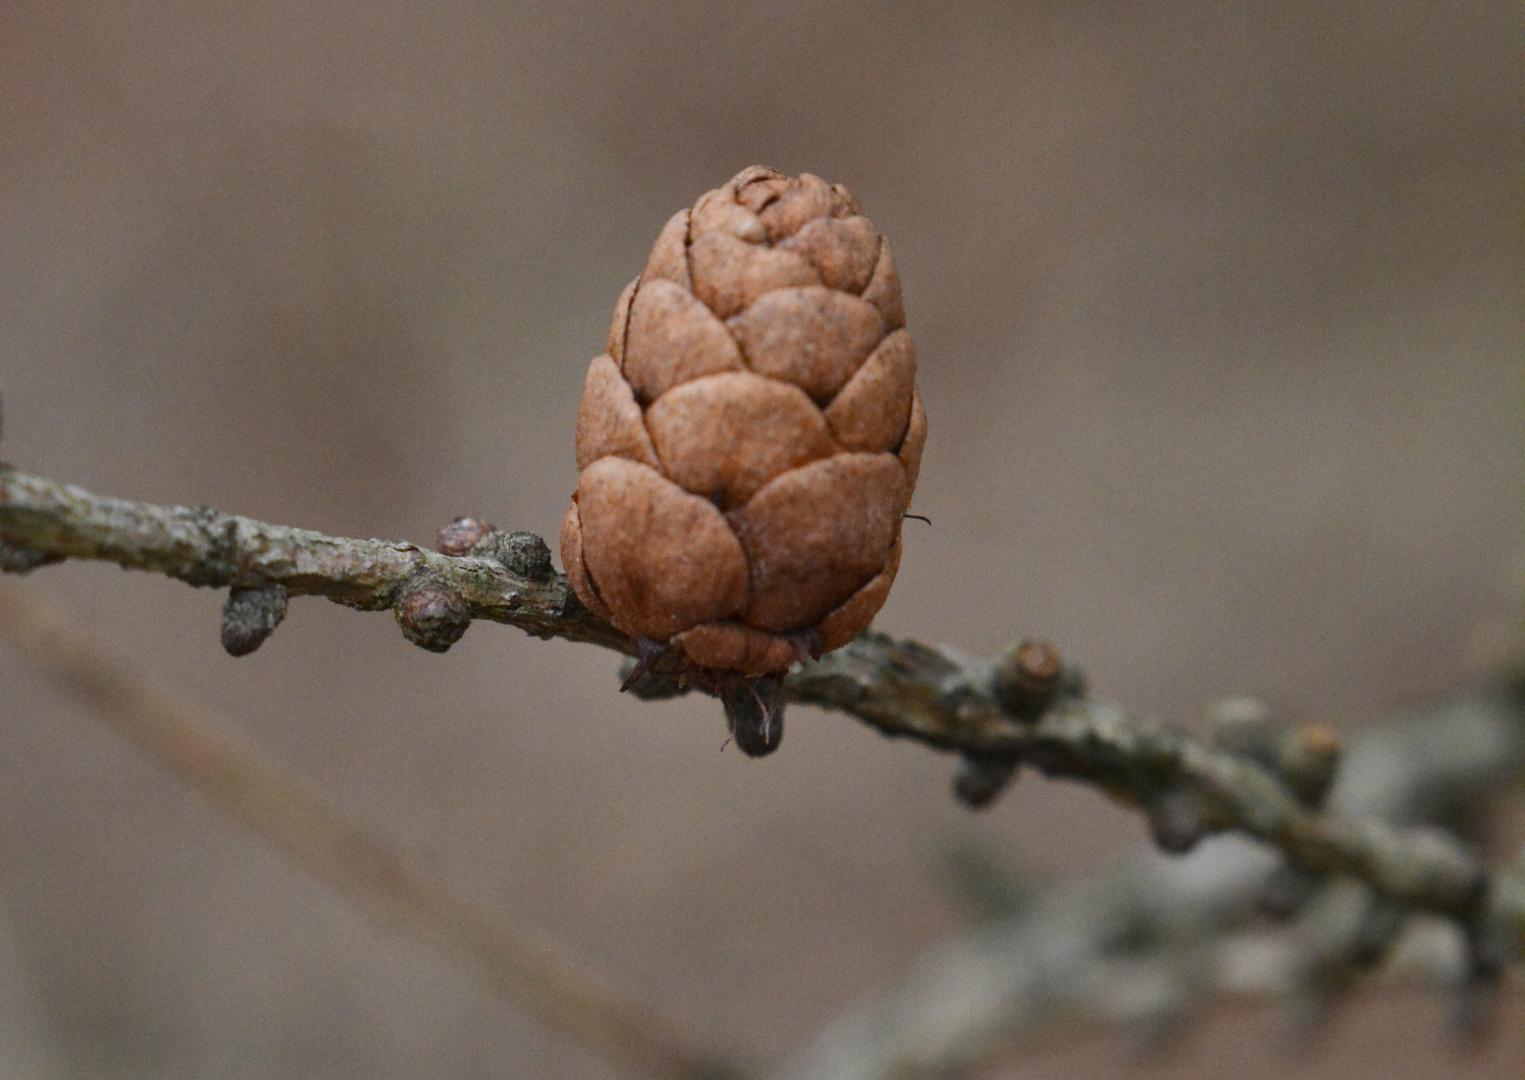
x=977 y=709
x=510 y=960
x=1152 y=942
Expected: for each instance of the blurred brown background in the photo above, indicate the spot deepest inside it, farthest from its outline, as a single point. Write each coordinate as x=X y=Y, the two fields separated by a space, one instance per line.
x=1218 y=317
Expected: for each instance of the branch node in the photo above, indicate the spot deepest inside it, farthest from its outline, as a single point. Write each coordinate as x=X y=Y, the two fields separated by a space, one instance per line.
x=523 y=553
x=754 y=711
x=1175 y=820
x=249 y=616
x=1306 y=758
x=1027 y=679
x=461 y=535
x=23 y=560
x=432 y=617
x=1309 y=760
x=978 y=782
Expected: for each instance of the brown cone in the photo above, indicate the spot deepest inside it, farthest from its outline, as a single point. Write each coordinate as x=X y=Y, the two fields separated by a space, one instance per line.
x=749 y=441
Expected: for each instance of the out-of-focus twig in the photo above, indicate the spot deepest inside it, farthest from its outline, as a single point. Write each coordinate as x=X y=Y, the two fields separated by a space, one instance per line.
x=903 y=688
x=511 y=960
x=1151 y=940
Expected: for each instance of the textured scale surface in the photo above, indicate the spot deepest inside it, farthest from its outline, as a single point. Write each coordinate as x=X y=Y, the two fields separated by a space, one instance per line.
x=749 y=441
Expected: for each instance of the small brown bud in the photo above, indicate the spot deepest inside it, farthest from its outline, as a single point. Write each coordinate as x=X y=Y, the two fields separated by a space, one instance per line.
x=1027 y=678
x=978 y=782
x=754 y=712
x=1306 y=758
x=1175 y=821
x=432 y=617
x=249 y=616
x=751 y=437
x=460 y=535
x=522 y=553
x=1309 y=761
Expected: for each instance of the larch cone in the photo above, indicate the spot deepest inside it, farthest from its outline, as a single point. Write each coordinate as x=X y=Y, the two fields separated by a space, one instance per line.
x=748 y=443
